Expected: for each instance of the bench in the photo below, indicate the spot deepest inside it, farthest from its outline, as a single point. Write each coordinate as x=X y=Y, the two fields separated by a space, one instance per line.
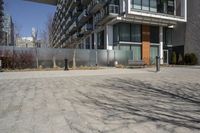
x=139 y=63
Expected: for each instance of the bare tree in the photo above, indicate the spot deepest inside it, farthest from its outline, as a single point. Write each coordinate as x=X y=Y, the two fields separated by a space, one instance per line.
x=46 y=34
x=17 y=31
x=50 y=29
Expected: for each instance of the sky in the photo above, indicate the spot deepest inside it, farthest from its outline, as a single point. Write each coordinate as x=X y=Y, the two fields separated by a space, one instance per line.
x=26 y=15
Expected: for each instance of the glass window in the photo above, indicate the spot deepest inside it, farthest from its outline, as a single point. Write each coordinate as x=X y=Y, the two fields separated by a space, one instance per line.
x=145 y=5
x=135 y=33
x=88 y=43
x=115 y=2
x=137 y=56
x=154 y=34
x=154 y=52
x=137 y=4
x=170 y=7
x=100 y=40
x=125 y=47
x=167 y=36
x=153 y=5
x=115 y=33
x=124 y=32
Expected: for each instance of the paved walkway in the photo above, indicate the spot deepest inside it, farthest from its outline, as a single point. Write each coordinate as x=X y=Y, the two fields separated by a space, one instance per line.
x=101 y=101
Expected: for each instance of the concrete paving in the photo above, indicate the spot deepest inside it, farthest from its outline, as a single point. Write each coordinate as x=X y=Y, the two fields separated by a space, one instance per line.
x=101 y=101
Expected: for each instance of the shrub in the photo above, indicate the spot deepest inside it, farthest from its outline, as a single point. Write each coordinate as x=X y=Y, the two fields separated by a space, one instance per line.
x=17 y=59
x=193 y=59
x=187 y=59
x=174 y=58
x=190 y=59
x=180 y=59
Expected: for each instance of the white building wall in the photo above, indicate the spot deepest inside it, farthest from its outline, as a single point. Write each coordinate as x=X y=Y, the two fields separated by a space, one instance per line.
x=109 y=37
x=161 y=44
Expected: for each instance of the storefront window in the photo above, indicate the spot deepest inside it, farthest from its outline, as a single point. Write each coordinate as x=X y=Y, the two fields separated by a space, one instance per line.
x=135 y=33
x=124 y=32
x=127 y=32
x=136 y=49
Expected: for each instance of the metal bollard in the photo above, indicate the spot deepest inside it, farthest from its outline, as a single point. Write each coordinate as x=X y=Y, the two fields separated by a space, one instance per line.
x=157 y=63
x=66 y=65
x=0 y=65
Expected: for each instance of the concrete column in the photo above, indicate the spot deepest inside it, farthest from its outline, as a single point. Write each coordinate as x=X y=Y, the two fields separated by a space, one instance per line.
x=161 y=45
x=109 y=37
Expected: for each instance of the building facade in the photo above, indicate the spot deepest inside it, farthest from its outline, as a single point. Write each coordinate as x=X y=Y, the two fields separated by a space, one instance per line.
x=8 y=28
x=144 y=26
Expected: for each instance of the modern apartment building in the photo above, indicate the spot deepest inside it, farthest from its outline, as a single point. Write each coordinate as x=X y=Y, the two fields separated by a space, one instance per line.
x=147 y=27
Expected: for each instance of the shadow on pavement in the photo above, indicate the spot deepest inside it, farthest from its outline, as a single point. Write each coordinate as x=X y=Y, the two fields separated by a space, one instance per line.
x=135 y=101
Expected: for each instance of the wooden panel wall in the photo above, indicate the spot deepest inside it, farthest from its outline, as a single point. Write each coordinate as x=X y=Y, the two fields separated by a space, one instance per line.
x=146 y=44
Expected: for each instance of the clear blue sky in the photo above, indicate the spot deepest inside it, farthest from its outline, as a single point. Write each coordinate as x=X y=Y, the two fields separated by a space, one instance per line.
x=28 y=14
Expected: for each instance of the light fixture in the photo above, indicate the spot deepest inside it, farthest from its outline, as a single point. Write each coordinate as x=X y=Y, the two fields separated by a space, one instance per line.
x=171 y=26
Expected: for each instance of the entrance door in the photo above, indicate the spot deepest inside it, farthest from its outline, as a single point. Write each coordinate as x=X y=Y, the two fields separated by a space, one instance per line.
x=165 y=57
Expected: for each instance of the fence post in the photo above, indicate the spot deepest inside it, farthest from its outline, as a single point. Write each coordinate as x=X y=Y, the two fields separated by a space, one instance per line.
x=108 y=60
x=54 y=62
x=96 y=58
x=74 y=59
x=37 y=63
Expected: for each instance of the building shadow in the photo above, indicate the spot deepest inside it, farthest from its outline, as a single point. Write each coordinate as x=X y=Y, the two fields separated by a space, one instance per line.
x=135 y=101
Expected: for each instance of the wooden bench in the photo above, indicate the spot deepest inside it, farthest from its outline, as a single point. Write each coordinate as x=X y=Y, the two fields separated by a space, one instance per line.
x=139 y=63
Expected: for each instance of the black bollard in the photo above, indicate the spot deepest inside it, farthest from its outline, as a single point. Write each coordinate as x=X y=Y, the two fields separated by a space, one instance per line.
x=66 y=65
x=0 y=65
x=157 y=63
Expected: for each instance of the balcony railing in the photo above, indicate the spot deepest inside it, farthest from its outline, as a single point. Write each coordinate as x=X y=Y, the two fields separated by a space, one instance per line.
x=107 y=13
x=76 y=11
x=86 y=28
x=83 y=15
x=96 y=5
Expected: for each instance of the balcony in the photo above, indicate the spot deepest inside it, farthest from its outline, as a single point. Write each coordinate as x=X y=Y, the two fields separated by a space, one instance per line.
x=76 y=11
x=109 y=12
x=85 y=2
x=73 y=4
x=73 y=28
x=96 y=5
x=83 y=17
x=86 y=29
